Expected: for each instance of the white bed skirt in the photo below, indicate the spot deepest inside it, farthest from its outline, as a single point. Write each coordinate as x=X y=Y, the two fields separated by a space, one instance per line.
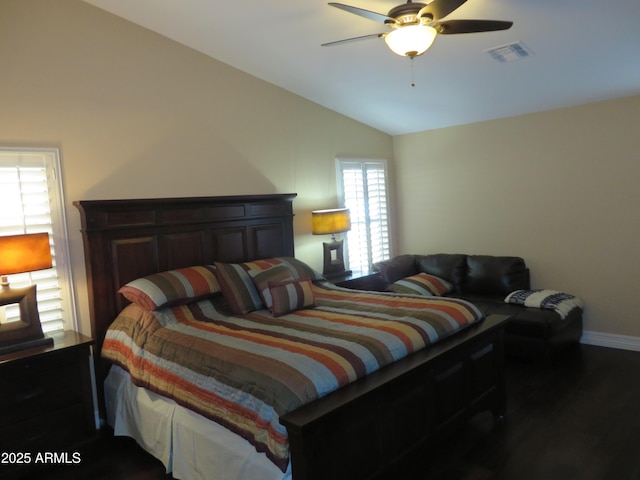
x=190 y=446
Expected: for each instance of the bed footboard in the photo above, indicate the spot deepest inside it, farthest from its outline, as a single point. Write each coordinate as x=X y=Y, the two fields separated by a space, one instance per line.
x=361 y=430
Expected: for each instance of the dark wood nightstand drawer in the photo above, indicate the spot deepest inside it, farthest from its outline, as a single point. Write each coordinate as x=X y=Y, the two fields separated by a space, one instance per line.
x=46 y=398
x=35 y=387
x=47 y=432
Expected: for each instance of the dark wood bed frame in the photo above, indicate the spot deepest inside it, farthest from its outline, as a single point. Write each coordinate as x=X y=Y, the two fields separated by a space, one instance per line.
x=358 y=431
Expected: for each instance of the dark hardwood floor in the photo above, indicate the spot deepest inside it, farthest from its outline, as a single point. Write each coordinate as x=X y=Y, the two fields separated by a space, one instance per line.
x=579 y=419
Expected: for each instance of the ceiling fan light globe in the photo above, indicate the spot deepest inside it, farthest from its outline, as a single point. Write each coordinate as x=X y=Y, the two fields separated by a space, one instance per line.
x=411 y=41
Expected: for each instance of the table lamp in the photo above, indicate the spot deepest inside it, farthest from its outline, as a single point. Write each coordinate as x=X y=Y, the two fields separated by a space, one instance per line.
x=330 y=222
x=20 y=254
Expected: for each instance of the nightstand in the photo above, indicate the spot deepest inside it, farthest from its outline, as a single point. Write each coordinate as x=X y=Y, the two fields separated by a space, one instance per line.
x=46 y=401
x=362 y=281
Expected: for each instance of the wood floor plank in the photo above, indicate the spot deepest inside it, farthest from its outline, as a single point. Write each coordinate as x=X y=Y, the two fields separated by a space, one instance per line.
x=578 y=419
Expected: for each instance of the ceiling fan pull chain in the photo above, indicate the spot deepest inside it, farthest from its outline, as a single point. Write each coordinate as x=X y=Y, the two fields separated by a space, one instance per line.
x=413 y=83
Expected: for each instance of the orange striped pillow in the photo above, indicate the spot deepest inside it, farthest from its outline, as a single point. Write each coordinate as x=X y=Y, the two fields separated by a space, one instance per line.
x=173 y=287
x=422 y=284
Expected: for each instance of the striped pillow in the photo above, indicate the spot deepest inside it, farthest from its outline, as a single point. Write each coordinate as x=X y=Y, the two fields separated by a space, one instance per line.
x=291 y=295
x=422 y=284
x=262 y=278
x=238 y=288
x=298 y=268
x=173 y=287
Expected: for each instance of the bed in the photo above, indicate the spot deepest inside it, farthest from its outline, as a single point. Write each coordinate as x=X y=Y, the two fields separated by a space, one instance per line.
x=356 y=426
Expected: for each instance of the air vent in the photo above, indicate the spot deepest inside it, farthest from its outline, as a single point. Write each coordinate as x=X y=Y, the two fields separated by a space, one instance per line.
x=509 y=53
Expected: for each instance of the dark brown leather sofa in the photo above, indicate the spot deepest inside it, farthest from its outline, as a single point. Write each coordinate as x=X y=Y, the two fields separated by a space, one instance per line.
x=532 y=333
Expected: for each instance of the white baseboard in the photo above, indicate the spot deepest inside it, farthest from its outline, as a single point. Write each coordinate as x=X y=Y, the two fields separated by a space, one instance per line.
x=623 y=342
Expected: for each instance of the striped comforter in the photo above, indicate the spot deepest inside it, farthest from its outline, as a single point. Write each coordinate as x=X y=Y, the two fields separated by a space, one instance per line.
x=245 y=371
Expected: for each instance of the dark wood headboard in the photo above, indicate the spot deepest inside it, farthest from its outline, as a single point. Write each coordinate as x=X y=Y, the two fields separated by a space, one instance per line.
x=127 y=239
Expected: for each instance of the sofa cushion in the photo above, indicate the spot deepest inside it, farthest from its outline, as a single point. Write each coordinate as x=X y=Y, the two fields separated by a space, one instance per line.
x=450 y=266
x=396 y=268
x=487 y=274
x=536 y=322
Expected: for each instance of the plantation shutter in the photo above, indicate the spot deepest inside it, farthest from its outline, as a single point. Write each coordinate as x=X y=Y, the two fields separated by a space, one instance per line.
x=31 y=199
x=363 y=190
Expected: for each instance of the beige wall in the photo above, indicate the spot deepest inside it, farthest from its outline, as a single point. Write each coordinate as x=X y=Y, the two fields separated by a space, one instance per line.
x=136 y=115
x=558 y=188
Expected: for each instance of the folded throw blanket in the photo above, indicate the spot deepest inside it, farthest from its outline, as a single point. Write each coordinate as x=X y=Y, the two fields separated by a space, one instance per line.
x=562 y=303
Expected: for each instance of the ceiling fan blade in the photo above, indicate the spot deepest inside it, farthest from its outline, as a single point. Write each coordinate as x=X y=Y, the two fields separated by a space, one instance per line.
x=470 y=26
x=353 y=39
x=377 y=17
x=440 y=8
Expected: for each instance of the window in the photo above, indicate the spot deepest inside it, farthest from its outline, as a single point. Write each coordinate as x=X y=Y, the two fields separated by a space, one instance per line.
x=362 y=188
x=32 y=202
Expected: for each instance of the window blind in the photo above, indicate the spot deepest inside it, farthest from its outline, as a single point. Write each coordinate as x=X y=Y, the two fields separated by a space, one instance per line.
x=362 y=188
x=31 y=199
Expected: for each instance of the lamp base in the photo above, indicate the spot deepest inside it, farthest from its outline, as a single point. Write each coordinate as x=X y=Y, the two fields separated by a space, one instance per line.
x=27 y=330
x=333 y=258
x=15 y=347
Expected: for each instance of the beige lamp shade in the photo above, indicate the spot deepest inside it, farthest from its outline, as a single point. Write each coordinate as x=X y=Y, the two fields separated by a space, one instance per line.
x=24 y=253
x=329 y=222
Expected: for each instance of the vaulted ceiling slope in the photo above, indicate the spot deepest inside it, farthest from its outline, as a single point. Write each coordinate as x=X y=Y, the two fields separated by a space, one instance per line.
x=580 y=51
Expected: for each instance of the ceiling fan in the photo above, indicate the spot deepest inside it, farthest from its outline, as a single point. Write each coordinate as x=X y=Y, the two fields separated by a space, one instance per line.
x=414 y=26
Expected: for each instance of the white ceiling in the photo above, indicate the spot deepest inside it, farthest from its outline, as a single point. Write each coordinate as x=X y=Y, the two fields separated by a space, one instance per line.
x=582 y=51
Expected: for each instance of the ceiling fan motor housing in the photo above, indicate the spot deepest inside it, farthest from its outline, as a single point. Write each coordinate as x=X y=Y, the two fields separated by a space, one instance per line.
x=407 y=10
